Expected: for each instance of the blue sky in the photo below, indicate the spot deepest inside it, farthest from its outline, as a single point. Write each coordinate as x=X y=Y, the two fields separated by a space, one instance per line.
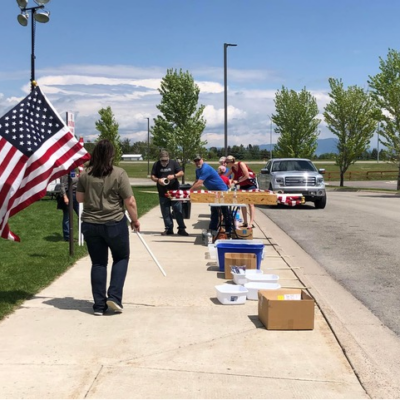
x=94 y=54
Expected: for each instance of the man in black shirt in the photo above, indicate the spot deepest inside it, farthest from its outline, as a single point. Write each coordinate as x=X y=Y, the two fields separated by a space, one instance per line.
x=165 y=172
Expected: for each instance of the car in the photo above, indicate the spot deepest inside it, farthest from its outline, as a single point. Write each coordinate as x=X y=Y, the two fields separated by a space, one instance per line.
x=294 y=175
x=53 y=188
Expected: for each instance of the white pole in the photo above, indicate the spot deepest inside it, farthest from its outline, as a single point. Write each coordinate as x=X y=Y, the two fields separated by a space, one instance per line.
x=147 y=247
x=152 y=255
x=80 y=235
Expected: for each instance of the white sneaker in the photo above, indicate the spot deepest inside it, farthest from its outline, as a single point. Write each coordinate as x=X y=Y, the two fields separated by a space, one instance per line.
x=112 y=305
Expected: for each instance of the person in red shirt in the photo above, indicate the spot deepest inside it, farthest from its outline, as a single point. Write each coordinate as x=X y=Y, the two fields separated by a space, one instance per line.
x=221 y=171
x=245 y=178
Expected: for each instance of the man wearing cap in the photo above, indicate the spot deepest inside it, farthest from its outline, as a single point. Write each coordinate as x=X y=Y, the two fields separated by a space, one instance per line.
x=208 y=177
x=165 y=172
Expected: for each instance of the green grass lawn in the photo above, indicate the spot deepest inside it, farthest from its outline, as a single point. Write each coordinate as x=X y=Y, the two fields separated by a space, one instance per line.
x=42 y=255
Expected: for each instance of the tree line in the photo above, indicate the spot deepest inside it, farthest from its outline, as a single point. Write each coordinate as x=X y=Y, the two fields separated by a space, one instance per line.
x=353 y=114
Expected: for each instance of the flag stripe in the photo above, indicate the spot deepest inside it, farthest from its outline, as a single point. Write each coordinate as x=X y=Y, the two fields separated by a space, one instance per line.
x=37 y=175
x=11 y=172
x=35 y=148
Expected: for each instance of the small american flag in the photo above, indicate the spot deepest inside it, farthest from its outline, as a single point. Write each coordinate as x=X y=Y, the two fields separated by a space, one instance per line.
x=36 y=147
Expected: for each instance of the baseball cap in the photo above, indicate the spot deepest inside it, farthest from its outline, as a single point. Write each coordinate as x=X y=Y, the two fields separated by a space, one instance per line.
x=230 y=158
x=222 y=159
x=164 y=156
x=197 y=157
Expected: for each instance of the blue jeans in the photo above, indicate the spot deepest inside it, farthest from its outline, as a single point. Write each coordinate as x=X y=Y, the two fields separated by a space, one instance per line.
x=165 y=205
x=214 y=220
x=99 y=238
x=65 y=220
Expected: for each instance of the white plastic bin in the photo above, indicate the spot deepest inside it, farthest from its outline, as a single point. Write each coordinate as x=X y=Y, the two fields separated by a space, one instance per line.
x=241 y=279
x=254 y=287
x=268 y=278
x=231 y=294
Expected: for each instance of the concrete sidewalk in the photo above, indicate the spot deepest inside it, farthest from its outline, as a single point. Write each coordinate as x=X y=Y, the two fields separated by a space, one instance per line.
x=174 y=339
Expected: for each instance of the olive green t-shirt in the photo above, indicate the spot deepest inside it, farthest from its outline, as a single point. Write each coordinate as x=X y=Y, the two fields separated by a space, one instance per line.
x=104 y=197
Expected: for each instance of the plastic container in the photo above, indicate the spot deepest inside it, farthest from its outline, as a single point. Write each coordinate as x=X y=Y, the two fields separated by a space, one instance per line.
x=242 y=241
x=240 y=279
x=231 y=294
x=239 y=246
x=268 y=278
x=213 y=251
x=186 y=204
x=254 y=287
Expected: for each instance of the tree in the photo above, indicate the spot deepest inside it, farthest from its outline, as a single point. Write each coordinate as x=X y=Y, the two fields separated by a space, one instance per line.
x=108 y=128
x=350 y=115
x=181 y=123
x=385 y=90
x=126 y=146
x=296 y=123
x=254 y=152
x=89 y=146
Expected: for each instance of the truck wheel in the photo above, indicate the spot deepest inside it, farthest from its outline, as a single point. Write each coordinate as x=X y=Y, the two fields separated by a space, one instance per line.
x=320 y=203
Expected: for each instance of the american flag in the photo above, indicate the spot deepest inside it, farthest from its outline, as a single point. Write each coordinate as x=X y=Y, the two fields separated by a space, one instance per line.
x=36 y=147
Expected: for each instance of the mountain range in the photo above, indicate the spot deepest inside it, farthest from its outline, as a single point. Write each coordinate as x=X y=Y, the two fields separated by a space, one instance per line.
x=324 y=146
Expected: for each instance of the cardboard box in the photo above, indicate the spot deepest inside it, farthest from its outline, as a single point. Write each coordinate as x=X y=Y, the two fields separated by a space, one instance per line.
x=239 y=259
x=243 y=233
x=277 y=312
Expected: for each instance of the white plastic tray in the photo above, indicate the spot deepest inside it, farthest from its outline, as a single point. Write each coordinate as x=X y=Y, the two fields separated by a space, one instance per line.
x=269 y=278
x=241 y=279
x=254 y=287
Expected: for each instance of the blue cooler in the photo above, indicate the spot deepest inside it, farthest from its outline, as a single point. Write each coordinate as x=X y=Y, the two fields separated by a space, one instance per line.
x=238 y=246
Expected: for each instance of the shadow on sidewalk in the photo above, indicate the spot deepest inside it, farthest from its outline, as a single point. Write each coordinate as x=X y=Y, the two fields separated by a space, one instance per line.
x=69 y=303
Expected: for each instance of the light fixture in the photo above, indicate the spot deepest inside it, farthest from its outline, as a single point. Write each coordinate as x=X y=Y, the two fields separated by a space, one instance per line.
x=23 y=19
x=41 y=2
x=22 y=3
x=42 y=17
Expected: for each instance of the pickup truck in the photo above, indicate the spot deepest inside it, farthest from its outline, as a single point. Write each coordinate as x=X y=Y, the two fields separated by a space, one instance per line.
x=294 y=175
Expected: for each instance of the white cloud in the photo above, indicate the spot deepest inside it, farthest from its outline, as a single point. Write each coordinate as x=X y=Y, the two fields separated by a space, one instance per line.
x=132 y=93
x=210 y=87
x=216 y=117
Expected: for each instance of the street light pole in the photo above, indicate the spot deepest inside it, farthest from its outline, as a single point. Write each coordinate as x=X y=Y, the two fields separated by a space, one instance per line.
x=226 y=45
x=270 y=135
x=148 y=147
x=42 y=17
x=377 y=144
x=270 y=140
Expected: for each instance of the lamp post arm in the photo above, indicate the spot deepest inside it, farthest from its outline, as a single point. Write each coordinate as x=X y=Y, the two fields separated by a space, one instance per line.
x=32 y=8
